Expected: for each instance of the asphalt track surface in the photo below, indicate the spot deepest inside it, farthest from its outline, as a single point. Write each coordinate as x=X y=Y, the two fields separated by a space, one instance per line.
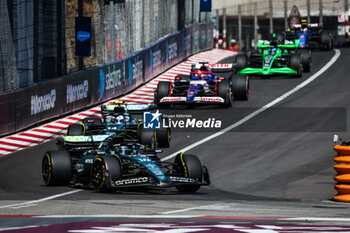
x=277 y=164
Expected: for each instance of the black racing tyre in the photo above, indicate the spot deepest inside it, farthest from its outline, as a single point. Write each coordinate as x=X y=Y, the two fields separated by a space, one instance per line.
x=147 y=137
x=326 y=40
x=296 y=64
x=92 y=121
x=75 y=130
x=224 y=90
x=280 y=36
x=57 y=168
x=104 y=171
x=163 y=90
x=306 y=59
x=241 y=61
x=188 y=166
x=241 y=87
x=163 y=137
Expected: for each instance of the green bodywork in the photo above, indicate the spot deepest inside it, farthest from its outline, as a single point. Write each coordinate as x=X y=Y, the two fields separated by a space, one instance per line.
x=269 y=59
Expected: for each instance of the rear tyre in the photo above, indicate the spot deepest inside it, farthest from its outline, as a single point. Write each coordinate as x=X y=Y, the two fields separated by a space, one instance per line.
x=163 y=90
x=189 y=166
x=163 y=137
x=57 y=168
x=75 y=130
x=326 y=40
x=104 y=171
x=241 y=61
x=280 y=36
x=295 y=64
x=306 y=59
x=225 y=91
x=241 y=87
x=146 y=137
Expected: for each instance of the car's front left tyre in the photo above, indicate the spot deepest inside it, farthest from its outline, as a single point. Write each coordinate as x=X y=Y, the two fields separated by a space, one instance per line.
x=188 y=166
x=57 y=168
x=104 y=171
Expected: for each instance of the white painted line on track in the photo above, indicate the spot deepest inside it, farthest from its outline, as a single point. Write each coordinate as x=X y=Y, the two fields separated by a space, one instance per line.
x=202 y=207
x=262 y=109
x=29 y=203
x=17 y=228
x=118 y=216
x=316 y=219
x=159 y=216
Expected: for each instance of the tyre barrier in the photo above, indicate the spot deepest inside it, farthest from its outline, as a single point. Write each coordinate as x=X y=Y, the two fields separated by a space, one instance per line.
x=343 y=173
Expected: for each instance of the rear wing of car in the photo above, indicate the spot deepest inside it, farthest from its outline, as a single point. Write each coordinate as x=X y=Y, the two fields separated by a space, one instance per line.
x=81 y=142
x=108 y=109
x=286 y=44
x=215 y=68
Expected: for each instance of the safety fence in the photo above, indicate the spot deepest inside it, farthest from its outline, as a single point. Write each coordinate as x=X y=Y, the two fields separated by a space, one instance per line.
x=37 y=40
x=252 y=20
x=25 y=107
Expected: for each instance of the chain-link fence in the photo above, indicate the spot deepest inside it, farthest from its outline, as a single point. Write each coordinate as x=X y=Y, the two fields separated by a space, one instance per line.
x=7 y=58
x=38 y=37
x=121 y=29
x=254 y=20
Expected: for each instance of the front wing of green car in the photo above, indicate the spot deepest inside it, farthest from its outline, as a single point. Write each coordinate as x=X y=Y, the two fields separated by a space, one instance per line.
x=268 y=71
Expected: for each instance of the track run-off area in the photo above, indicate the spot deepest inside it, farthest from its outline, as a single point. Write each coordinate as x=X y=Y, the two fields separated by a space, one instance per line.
x=270 y=165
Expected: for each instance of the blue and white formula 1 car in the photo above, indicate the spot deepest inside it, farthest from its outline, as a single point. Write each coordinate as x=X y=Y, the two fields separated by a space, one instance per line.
x=311 y=36
x=203 y=86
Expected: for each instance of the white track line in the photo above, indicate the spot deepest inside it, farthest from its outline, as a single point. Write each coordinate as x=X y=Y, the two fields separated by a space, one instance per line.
x=158 y=216
x=202 y=207
x=262 y=109
x=118 y=216
x=29 y=203
x=316 y=219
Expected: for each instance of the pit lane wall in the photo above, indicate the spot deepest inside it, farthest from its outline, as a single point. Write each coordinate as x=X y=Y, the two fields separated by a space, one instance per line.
x=72 y=92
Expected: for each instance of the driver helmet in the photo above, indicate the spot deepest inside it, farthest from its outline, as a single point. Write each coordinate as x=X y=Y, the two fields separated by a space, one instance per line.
x=110 y=119
x=123 y=150
x=273 y=50
x=119 y=120
x=206 y=76
x=194 y=76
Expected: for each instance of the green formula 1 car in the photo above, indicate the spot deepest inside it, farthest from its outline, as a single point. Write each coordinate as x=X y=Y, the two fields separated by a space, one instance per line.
x=275 y=58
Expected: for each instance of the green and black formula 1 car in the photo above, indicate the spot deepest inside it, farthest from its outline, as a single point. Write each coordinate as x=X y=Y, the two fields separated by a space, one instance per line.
x=275 y=58
x=117 y=119
x=116 y=164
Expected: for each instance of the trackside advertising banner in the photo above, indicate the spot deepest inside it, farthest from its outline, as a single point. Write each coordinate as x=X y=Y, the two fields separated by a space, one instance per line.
x=63 y=95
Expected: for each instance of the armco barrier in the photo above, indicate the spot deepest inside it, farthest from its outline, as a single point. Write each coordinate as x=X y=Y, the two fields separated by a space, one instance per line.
x=46 y=100
x=343 y=173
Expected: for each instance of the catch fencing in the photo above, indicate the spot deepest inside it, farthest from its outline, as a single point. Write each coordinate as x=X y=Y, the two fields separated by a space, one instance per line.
x=37 y=40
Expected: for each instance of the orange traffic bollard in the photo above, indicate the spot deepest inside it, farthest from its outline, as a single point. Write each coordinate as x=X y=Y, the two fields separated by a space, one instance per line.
x=343 y=170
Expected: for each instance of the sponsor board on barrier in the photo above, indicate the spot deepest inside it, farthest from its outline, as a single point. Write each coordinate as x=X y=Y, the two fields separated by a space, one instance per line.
x=156 y=59
x=41 y=103
x=77 y=92
x=172 y=51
